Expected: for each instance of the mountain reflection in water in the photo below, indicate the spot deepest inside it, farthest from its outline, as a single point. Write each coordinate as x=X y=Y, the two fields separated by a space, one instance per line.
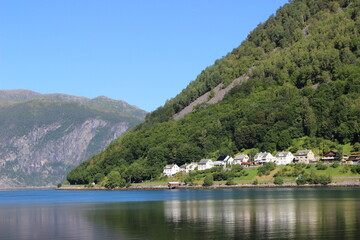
x=232 y=214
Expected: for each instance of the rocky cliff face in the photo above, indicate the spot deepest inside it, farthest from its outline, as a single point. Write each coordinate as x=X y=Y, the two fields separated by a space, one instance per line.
x=42 y=141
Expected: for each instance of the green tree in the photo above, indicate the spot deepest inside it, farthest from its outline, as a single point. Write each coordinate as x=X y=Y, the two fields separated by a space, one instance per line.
x=335 y=165
x=339 y=153
x=285 y=140
x=278 y=181
x=302 y=179
x=236 y=168
x=99 y=177
x=356 y=147
x=266 y=168
x=230 y=182
x=309 y=118
x=320 y=166
x=114 y=180
x=247 y=136
x=208 y=180
x=158 y=156
x=189 y=180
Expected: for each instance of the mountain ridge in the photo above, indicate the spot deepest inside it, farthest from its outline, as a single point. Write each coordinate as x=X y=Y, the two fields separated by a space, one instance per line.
x=44 y=137
x=13 y=96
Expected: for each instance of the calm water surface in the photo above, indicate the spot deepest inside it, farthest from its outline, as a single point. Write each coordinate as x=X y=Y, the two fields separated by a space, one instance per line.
x=326 y=213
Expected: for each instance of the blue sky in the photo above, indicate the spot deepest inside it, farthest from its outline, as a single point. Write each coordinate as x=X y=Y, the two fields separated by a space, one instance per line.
x=140 y=51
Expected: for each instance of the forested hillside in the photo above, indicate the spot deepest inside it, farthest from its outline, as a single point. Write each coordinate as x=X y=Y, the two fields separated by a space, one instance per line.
x=304 y=87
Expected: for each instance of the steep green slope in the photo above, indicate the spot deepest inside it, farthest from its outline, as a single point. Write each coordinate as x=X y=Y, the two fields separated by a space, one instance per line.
x=305 y=82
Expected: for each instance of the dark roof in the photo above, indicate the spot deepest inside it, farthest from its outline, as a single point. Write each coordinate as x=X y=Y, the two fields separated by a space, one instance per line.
x=331 y=153
x=222 y=158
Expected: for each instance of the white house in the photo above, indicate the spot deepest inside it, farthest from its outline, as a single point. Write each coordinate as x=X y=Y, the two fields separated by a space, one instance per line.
x=188 y=167
x=263 y=157
x=224 y=160
x=171 y=169
x=205 y=164
x=284 y=158
x=304 y=156
x=241 y=159
x=219 y=164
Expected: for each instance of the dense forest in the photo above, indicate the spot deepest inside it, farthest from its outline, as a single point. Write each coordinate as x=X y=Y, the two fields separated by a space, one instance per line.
x=304 y=87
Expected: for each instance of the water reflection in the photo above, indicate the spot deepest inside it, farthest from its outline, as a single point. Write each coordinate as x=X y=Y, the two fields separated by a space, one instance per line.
x=225 y=214
x=271 y=216
x=55 y=221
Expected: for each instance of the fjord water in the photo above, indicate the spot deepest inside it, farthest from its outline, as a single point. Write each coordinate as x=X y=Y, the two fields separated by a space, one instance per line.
x=306 y=213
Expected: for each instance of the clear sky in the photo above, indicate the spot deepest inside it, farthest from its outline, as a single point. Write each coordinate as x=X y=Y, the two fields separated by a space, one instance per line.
x=140 y=51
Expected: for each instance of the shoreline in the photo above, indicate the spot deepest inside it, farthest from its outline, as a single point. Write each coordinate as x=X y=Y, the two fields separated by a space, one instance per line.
x=346 y=184
x=26 y=188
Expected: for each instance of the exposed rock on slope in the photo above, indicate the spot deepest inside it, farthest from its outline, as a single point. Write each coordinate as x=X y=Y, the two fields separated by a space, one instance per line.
x=44 y=137
x=219 y=93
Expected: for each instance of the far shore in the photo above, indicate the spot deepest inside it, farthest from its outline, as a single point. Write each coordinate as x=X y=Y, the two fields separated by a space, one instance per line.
x=344 y=184
x=28 y=188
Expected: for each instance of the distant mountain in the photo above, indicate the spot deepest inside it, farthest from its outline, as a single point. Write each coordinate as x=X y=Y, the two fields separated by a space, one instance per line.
x=43 y=136
x=293 y=83
x=102 y=103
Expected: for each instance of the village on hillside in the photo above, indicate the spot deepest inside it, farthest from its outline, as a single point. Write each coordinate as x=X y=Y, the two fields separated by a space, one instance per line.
x=281 y=158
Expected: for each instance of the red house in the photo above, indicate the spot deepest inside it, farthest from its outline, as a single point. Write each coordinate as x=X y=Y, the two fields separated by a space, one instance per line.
x=330 y=156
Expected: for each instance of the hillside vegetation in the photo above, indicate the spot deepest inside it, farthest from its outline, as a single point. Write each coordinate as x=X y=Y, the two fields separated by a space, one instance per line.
x=304 y=84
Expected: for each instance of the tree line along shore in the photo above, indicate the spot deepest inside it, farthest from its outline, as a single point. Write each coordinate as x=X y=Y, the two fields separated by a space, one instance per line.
x=267 y=175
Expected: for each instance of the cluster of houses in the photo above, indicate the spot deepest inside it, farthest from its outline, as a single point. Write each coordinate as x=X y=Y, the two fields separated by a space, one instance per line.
x=281 y=158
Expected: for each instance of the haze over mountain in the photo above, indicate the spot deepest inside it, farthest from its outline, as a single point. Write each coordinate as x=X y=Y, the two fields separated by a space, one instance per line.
x=43 y=136
x=293 y=83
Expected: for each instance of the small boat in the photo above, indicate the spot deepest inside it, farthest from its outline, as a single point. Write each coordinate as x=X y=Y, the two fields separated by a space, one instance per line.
x=173 y=185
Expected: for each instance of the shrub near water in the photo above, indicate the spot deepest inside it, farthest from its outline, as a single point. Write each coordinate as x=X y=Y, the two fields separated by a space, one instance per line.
x=321 y=166
x=278 y=181
x=293 y=170
x=114 y=180
x=313 y=179
x=99 y=177
x=355 y=169
x=230 y=182
x=335 y=165
x=208 y=180
x=220 y=176
x=189 y=180
x=266 y=169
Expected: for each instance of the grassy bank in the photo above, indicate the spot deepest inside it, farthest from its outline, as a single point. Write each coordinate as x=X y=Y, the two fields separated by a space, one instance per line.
x=249 y=176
